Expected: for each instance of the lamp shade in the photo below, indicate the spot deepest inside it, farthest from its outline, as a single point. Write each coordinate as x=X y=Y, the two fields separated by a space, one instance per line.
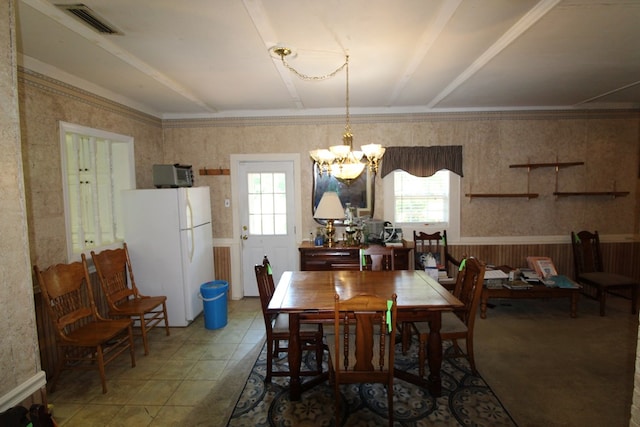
x=329 y=207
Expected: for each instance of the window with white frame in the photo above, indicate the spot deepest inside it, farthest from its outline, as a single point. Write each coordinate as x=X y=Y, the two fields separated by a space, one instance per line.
x=96 y=166
x=267 y=203
x=426 y=204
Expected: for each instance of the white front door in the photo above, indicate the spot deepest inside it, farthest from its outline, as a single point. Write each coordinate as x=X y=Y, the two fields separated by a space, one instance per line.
x=267 y=218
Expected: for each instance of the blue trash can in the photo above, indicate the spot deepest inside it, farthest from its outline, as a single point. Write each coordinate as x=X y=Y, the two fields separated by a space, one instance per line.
x=214 y=298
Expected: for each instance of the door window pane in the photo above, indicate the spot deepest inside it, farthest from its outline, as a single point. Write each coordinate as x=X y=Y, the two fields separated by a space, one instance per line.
x=267 y=203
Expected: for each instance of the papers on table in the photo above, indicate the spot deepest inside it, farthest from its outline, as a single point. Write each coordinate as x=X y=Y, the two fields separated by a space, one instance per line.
x=560 y=281
x=529 y=275
x=495 y=274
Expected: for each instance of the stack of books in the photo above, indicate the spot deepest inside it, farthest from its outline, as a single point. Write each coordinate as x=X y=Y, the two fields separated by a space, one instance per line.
x=519 y=284
x=494 y=279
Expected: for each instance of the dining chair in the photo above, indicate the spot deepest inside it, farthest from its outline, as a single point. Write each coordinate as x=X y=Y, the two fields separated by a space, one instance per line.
x=277 y=329
x=271 y=288
x=377 y=257
x=84 y=339
x=589 y=271
x=457 y=325
x=436 y=245
x=408 y=328
x=361 y=345
x=115 y=275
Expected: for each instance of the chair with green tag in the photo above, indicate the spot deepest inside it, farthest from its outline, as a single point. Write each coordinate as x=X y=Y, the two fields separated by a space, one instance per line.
x=377 y=258
x=277 y=327
x=271 y=288
x=457 y=325
x=361 y=345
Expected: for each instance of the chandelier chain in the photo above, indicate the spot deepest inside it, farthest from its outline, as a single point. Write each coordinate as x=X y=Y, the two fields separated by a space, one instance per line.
x=313 y=78
x=347 y=127
x=339 y=160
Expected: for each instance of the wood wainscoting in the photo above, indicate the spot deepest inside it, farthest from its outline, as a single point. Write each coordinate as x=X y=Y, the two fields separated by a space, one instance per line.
x=46 y=332
x=619 y=257
x=222 y=264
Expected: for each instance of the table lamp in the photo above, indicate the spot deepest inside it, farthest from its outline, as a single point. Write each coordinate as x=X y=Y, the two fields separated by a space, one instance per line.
x=329 y=209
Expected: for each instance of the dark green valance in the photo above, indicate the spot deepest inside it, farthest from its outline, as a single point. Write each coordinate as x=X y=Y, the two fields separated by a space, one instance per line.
x=422 y=161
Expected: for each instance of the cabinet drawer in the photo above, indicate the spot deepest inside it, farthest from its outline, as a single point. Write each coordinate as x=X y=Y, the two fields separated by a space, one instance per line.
x=321 y=258
x=329 y=259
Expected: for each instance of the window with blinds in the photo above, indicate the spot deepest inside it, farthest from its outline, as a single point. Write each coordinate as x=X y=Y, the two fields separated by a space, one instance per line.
x=421 y=199
x=96 y=167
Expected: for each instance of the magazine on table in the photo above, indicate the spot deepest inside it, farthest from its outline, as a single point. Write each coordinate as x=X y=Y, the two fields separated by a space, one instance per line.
x=543 y=266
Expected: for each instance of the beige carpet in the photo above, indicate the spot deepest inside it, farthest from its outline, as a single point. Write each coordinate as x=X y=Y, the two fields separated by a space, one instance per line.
x=551 y=370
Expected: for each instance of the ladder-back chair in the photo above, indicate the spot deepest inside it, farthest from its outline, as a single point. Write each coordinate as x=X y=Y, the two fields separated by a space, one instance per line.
x=85 y=340
x=589 y=271
x=277 y=329
x=123 y=298
x=361 y=347
x=377 y=257
x=435 y=244
x=459 y=324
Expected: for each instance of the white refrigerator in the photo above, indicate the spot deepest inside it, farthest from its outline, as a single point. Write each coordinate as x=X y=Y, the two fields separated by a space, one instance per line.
x=168 y=234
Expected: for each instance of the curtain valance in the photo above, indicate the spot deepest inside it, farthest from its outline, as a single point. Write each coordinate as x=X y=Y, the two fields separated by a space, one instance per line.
x=422 y=161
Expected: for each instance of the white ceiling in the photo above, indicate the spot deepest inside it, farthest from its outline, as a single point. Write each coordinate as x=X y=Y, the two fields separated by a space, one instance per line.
x=211 y=58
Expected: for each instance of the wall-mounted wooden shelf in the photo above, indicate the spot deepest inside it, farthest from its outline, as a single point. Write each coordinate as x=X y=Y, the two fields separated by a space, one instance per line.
x=501 y=195
x=218 y=171
x=613 y=194
x=556 y=165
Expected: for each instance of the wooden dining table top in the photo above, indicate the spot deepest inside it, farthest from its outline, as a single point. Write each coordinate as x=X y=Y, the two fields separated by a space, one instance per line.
x=301 y=291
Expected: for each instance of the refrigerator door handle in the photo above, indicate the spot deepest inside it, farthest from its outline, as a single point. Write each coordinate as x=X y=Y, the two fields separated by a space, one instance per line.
x=190 y=223
x=192 y=246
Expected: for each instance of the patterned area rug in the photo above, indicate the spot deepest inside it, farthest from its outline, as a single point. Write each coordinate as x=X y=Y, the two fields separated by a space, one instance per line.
x=466 y=399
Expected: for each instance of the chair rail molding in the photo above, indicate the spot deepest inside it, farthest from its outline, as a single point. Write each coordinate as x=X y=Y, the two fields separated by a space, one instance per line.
x=551 y=239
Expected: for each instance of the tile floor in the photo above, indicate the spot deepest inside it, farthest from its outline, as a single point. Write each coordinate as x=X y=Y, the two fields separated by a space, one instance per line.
x=165 y=386
x=191 y=377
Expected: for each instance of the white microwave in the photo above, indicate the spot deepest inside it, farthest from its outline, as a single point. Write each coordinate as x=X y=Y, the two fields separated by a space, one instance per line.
x=172 y=176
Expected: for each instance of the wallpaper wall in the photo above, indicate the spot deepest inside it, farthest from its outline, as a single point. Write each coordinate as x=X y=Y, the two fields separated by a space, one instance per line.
x=44 y=103
x=608 y=143
x=19 y=359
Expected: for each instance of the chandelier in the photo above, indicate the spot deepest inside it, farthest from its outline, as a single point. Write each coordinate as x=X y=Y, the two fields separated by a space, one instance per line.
x=340 y=161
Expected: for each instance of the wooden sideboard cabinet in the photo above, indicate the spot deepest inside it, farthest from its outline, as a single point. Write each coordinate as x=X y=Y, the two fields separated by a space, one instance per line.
x=342 y=257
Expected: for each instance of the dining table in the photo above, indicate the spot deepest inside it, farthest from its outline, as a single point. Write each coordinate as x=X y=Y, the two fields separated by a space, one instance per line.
x=309 y=296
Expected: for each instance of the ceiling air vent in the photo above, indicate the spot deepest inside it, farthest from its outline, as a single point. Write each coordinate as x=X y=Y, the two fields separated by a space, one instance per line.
x=89 y=17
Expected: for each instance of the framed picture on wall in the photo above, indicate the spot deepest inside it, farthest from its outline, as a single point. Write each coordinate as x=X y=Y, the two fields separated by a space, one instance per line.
x=359 y=192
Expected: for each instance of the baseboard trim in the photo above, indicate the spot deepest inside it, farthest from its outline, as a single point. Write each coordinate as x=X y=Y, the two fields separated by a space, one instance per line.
x=23 y=391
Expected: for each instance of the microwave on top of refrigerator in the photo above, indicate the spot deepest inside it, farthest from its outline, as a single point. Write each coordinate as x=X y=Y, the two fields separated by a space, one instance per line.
x=172 y=176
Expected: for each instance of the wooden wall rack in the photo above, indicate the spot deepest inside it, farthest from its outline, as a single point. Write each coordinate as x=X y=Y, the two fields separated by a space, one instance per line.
x=557 y=166
x=501 y=195
x=218 y=171
x=613 y=193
